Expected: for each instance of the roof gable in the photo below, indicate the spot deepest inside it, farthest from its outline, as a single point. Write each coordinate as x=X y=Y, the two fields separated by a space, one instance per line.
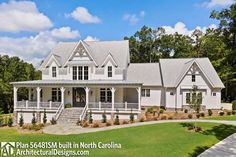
x=109 y=58
x=53 y=58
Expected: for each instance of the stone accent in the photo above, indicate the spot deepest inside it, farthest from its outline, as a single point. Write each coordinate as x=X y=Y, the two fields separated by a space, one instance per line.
x=15 y=117
x=70 y=115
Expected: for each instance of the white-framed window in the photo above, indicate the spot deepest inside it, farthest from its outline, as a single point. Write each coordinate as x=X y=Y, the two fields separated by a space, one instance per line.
x=80 y=73
x=145 y=92
x=193 y=78
x=214 y=94
x=54 y=71
x=171 y=93
x=194 y=97
x=188 y=99
x=105 y=95
x=56 y=94
x=109 y=71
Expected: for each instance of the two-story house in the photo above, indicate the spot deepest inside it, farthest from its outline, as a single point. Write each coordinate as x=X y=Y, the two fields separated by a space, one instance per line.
x=97 y=77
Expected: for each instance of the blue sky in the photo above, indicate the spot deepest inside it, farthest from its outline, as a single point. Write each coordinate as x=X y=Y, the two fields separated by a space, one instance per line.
x=30 y=29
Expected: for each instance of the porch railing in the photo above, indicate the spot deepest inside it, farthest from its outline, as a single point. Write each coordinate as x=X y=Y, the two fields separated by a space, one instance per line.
x=33 y=105
x=117 y=106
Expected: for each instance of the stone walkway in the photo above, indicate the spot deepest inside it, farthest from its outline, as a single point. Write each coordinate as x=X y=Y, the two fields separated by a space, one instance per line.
x=225 y=148
x=74 y=129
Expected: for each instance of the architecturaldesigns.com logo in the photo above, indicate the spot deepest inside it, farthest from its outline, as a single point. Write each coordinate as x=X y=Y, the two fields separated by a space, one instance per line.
x=7 y=148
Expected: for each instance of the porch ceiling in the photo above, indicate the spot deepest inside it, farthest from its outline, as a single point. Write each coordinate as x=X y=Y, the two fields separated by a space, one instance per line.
x=73 y=83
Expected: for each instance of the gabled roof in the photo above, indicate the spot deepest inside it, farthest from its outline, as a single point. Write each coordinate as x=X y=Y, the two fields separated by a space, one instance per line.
x=147 y=73
x=98 y=50
x=55 y=58
x=109 y=58
x=173 y=70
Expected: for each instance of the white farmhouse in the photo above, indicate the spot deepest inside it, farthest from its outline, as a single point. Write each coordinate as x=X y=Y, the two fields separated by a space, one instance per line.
x=97 y=77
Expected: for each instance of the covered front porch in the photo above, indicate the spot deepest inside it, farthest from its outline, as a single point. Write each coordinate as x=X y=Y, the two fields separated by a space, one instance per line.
x=99 y=97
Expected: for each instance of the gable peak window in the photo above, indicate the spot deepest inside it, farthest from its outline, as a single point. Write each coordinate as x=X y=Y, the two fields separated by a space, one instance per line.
x=54 y=71
x=109 y=71
x=193 y=78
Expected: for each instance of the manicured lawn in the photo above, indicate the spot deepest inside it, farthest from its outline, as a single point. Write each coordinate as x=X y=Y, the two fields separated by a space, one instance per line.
x=231 y=117
x=167 y=139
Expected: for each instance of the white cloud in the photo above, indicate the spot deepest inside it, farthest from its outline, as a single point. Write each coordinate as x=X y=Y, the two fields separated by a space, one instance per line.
x=22 y=16
x=133 y=18
x=181 y=28
x=82 y=15
x=214 y=3
x=90 y=38
x=35 y=48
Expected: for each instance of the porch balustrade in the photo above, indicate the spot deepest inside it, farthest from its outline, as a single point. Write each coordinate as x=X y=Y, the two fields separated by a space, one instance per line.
x=100 y=106
x=33 y=105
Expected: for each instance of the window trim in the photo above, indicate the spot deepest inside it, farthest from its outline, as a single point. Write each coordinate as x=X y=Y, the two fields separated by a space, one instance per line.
x=54 y=71
x=146 y=92
x=56 y=95
x=193 y=78
x=106 y=96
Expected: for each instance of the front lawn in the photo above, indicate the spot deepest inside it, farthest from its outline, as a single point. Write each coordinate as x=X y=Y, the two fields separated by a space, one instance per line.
x=231 y=117
x=167 y=139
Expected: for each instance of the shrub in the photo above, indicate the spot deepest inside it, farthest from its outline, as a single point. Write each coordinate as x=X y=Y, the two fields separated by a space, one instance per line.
x=85 y=124
x=170 y=117
x=164 y=117
x=202 y=114
x=1 y=121
x=234 y=105
x=104 y=118
x=44 y=117
x=198 y=129
x=33 y=127
x=68 y=105
x=234 y=112
x=150 y=110
x=221 y=113
x=198 y=115
x=95 y=125
x=21 y=122
x=108 y=123
x=10 y=121
x=185 y=111
x=131 y=118
x=53 y=121
x=117 y=120
x=161 y=111
x=125 y=122
x=229 y=113
x=142 y=119
x=90 y=117
x=190 y=116
x=33 y=121
x=210 y=112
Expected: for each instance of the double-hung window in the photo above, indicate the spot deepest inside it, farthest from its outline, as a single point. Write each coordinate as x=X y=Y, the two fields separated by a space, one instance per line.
x=80 y=73
x=85 y=72
x=193 y=78
x=56 y=94
x=54 y=71
x=109 y=71
x=74 y=73
x=145 y=92
x=105 y=95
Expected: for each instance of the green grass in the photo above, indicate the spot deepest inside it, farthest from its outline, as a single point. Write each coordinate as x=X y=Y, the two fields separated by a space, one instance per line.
x=167 y=139
x=231 y=117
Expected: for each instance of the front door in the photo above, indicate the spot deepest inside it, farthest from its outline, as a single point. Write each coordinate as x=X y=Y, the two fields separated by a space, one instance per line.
x=79 y=97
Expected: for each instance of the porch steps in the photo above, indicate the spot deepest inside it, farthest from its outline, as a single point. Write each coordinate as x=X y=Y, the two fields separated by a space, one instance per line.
x=70 y=116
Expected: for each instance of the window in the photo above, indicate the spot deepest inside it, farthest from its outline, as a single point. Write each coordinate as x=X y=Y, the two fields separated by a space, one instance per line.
x=193 y=78
x=199 y=97
x=80 y=75
x=109 y=70
x=171 y=93
x=54 y=71
x=56 y=94
x=74 y=73
x=86 y=73
x=105 y=95
x=145 y=92
x=188 y=98
x=214 y=94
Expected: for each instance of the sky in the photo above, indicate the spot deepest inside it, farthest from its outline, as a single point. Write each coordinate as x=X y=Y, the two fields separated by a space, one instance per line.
x=30 y=29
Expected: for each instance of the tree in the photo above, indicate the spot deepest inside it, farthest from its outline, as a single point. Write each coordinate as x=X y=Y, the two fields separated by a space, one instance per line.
x=44 y=116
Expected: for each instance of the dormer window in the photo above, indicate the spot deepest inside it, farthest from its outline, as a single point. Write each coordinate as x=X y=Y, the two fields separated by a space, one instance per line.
x=54 y=71
x=109 y=70
x=193 y=78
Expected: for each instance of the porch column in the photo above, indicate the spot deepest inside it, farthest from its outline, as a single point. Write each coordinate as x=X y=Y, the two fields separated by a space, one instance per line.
x=38 y=89
x=87 y=95
x=29 y=94
x=139 y=98
x=113 y=98
x=62 y=97
x=15 y=97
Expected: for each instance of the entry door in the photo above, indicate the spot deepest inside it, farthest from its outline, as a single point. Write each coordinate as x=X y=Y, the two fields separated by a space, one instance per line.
x=79 y=97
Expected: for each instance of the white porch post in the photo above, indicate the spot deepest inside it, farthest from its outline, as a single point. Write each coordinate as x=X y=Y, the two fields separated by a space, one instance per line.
x=113 y=98
x=38 y=89
x=139 y=98
x=29 y=94
x=87 y=95
x=62 y=97
x=15 y=96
